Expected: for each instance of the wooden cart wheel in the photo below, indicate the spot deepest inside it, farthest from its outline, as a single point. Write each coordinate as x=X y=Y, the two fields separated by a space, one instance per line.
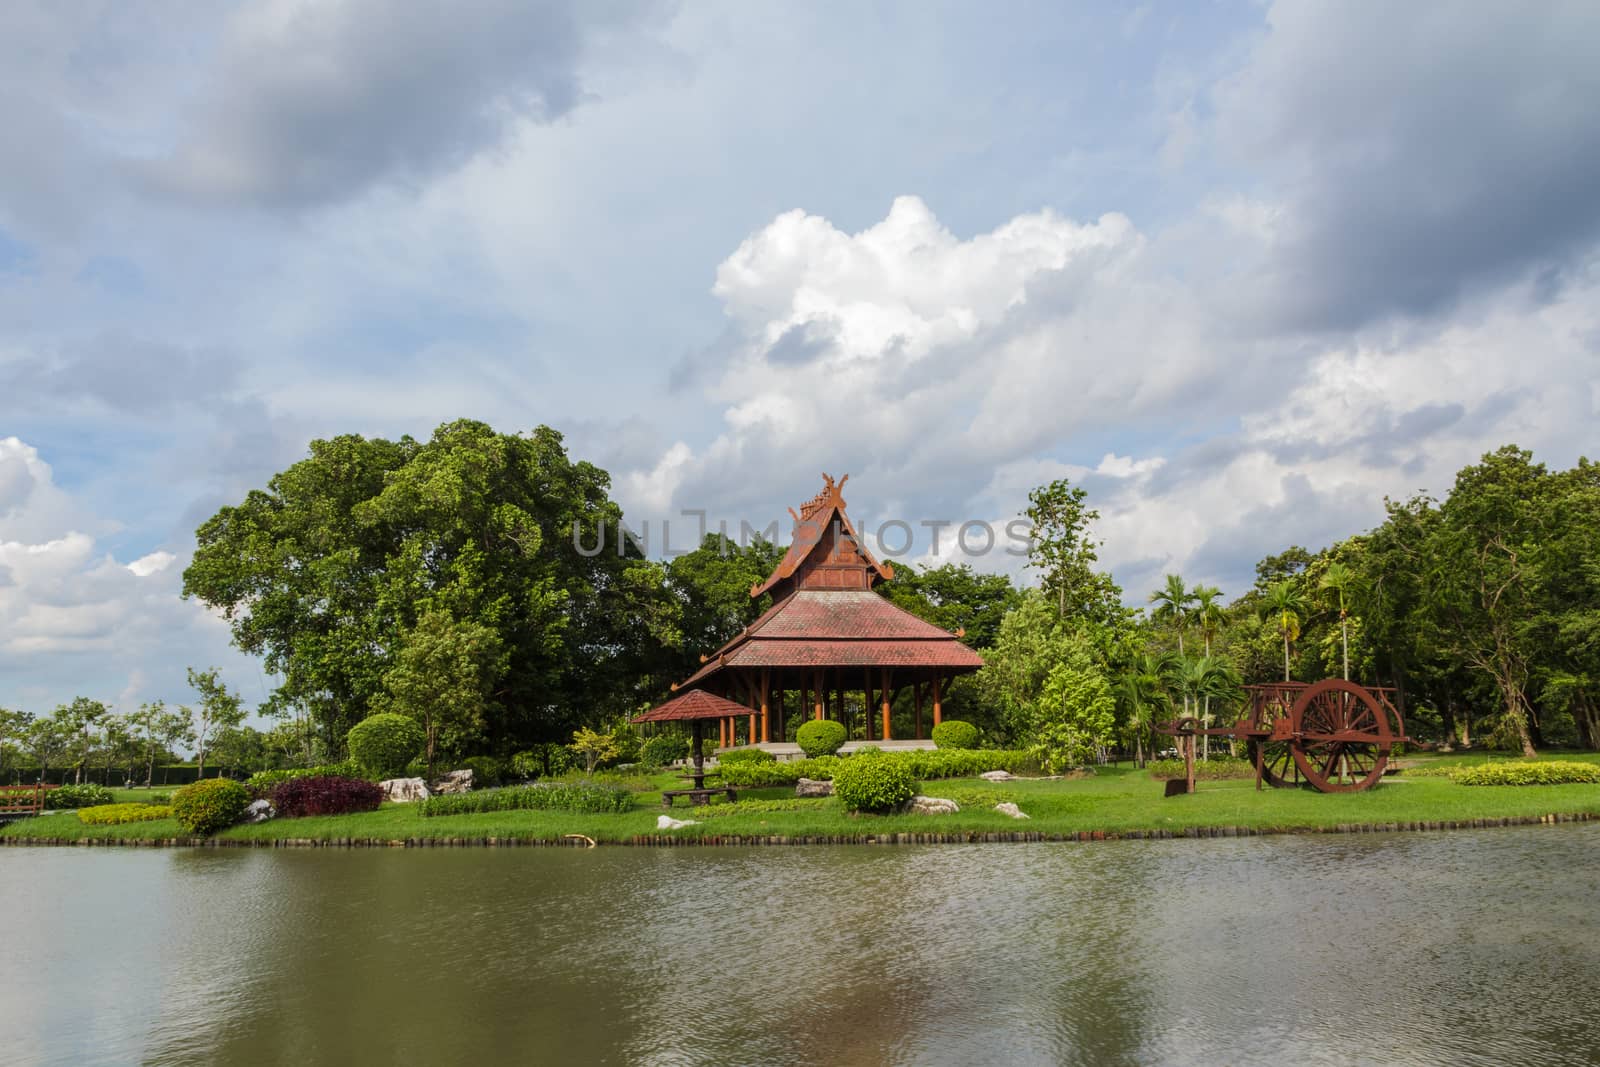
x=1342 y=736
x=1277 y=757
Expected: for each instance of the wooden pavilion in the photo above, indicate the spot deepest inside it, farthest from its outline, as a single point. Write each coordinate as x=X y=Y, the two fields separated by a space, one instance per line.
x=828 y=634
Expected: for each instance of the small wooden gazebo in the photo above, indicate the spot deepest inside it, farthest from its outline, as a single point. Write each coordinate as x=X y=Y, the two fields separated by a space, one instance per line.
x=694 y=707
x=826 y=634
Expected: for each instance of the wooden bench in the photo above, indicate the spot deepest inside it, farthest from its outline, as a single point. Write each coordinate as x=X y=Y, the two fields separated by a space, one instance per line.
x=697 y=796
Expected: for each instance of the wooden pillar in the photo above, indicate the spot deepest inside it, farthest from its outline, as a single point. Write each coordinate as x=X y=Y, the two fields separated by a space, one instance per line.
x=938 y=700
x=819 y=694
x=766 y=722
x=885 y=686
x=722 y=732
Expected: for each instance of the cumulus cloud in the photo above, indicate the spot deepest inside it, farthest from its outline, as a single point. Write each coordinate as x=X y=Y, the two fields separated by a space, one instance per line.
x=315 y=102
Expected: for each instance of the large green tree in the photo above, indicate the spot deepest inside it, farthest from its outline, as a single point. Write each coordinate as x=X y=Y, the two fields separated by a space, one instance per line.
x=954 y=597
x=1062 y=550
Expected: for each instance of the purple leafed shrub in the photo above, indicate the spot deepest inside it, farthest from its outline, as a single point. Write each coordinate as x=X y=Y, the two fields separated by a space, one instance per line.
x=325 y=795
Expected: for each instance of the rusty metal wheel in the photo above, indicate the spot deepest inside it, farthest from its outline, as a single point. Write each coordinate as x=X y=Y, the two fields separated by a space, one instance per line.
x=1277 y=763
x=1342 y=736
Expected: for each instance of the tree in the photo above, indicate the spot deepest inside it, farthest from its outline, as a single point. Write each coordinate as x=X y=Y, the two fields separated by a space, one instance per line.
x=162 y=730
x=954 y=597
x=1339 y=578
x=1139 y=690
x=1285 y=606
x=1209 y=617
x=442 y=677
x=1074 y=717
x=593 y=747
x=326 y=572
x=219 y=710
x=78 y=719
x=1174 y=606
x=14 y=726
x=1061 y=550
x=47 y=740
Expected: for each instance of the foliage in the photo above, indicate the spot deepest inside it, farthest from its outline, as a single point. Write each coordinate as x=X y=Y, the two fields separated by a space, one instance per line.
x=441 y=679
x=1216 y=768
x=710 y=593
x=1074 y=716
x=78 y=796
x=954 y=597
x=117 y=814
x=820 y=737
x=219 y=709
x=746 y=755
x=385 y=743
x=1062 y=551
x=1537 y=772
x=923 y=764
x=583 y=797
x=593 y=747
x=873 y=783
x=486 y=770
x=263 y=782
x=953 y=733
x=818 y=768
x=209 y=805
x=663 y=749
x=325 y=795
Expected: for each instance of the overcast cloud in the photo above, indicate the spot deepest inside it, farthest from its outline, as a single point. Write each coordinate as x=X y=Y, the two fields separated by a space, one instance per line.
x=1240 y=272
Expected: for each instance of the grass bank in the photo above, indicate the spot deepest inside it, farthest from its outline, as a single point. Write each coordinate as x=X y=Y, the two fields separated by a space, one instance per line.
x=1116 y=802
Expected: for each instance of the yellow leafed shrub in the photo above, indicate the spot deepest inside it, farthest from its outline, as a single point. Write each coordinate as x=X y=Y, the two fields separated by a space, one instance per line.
x=115 y=814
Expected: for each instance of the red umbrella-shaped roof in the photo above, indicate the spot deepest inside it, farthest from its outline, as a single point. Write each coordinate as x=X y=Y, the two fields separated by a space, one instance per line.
x=695 y=704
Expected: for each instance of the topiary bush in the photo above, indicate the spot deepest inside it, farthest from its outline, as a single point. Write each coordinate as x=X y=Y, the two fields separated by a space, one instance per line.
x=746 y=755
x=78 y=796
x=953 y=733
x=384 y=743
x=328 y=795
x=873 y=783
x=820 y=737
x=116 y=814
x=1542 y=772
x=210 y=805
x=663 y=749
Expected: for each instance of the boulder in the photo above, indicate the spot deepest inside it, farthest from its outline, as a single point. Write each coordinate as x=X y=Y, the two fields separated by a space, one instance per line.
x=453 y=782
x=920 y=805
x=259 y=811
x=667 y=822
x=1008 y=808
x=997 y=776
x=807 y=787
x=404 y=790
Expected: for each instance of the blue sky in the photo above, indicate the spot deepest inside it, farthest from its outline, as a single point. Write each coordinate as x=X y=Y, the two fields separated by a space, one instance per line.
x=1241 y=269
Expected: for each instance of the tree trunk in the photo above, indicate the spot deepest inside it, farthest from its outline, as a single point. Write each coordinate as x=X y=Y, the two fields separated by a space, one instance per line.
x=1286 y=655
x=1344 y=638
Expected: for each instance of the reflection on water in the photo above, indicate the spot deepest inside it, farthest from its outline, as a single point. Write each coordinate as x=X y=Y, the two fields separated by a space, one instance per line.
x=1479 y=947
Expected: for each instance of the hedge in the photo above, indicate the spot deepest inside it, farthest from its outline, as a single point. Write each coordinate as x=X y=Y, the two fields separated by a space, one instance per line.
x=954 y=733
x=873 y=782
x=1210 y=770
x=263 y=782
x=746 y=755
x=588 y=798
x=117 y=814
x=384 y=743
x=325 y=795
x=820 y=737
x=78 y=796
x=1543 y=772
x=923 y=764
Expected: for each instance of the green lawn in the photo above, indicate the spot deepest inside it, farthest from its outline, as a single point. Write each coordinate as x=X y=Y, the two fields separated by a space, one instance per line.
x=1117 y=800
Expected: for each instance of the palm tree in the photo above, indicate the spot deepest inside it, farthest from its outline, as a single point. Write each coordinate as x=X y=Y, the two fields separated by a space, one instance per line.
x=1173 y=602
x=1340 y=578
x=1209 y=617
x=1139 y=689
x=1285 y=606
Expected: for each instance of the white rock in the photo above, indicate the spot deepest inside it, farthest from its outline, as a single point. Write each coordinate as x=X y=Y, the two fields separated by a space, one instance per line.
x=1011 y=809
x=453 y=782
x=667 y=822
x=920 y=805
x=997 y=776
x=259 y=811
x=404 y=790
x=810 y=787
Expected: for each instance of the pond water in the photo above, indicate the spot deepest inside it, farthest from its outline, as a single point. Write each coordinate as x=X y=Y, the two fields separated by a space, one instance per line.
x=1470 y=947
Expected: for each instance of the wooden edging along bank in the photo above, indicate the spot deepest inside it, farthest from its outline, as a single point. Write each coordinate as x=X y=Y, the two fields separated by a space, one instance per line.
x=662 y=841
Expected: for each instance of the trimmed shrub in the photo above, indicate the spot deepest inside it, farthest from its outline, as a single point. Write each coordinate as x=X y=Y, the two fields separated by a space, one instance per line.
x=263 y=782
x=209 y=805
x=116 y=814
x=325 y=795
x=384 y=743
x=746 y=755
x=1541 y=772
x=486 y=770
x=582 y=797
x=953 y=733
x=78 y=796
x=924 y=764
x=1214 y=769
x=820 y=737
x=874 y=783
x=663 y=749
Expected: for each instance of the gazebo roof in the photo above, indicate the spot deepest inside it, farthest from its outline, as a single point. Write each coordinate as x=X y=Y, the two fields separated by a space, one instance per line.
x=695 y=704
x=824 y=534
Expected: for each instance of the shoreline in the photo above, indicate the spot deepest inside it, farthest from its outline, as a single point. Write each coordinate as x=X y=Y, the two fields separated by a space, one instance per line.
x=975 y=837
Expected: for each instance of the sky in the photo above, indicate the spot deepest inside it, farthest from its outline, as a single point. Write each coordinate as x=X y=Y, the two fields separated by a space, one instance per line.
x=1241 y=270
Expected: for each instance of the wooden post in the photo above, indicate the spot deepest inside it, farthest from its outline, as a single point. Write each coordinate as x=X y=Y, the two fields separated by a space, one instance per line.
x=938 y=700
x=766 y=723
x=818 y=695
x=884 y=681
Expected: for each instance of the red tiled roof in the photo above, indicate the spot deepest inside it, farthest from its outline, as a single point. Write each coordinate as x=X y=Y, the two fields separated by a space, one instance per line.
x=858 y=614
x=946 y=653
x=811 y=523
x=695 y=704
